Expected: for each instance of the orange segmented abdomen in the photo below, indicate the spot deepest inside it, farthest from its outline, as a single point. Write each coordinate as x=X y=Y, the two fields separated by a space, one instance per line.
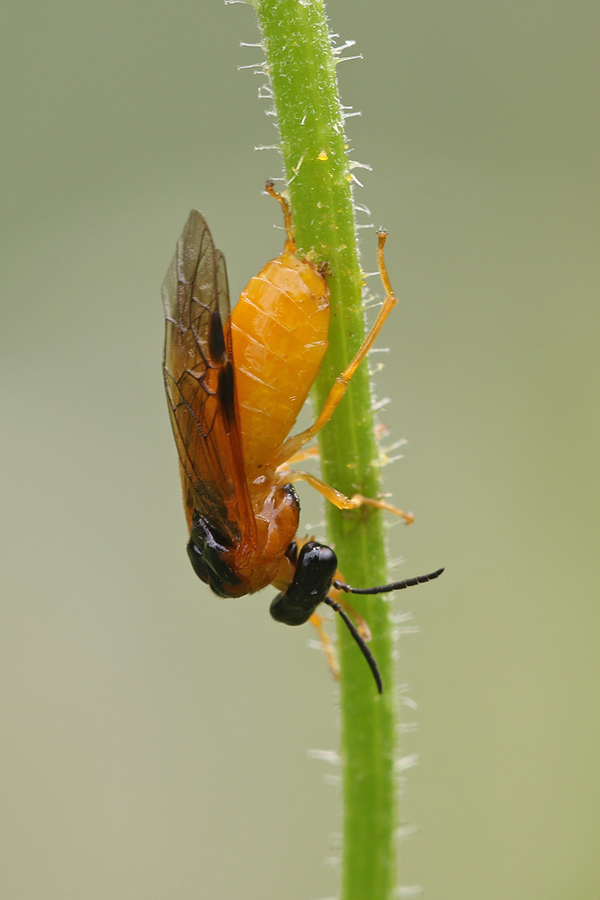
x=279 y=334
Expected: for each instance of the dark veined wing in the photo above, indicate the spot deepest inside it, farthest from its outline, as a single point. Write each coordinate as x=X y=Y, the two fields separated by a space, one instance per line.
x=199 y=380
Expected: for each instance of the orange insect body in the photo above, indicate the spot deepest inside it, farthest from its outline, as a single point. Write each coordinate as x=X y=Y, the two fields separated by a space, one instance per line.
x=279 y=330
x=235 y=383
x=279 y=336
x=231 y=420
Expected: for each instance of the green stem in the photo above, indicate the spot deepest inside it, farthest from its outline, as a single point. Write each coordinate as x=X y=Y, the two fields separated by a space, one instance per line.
x=301 y=67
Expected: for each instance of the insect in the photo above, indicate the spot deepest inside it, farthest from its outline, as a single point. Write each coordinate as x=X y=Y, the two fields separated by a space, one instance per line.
x=235 y=382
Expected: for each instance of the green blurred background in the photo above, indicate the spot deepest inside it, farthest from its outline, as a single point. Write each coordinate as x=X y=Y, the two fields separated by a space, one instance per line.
x=156 y=738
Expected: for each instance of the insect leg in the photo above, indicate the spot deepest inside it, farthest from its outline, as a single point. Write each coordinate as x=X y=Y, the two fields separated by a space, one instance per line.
x=290 y=243
x=309 y=453
x=328 y=648
x=340 y=500
x=294 y=443
x=361 y=624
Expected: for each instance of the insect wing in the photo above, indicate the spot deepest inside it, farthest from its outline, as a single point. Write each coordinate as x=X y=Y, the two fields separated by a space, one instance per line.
x=199 y=381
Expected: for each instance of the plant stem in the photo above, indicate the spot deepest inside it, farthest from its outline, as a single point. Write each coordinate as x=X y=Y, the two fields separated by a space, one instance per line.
x=301 y=67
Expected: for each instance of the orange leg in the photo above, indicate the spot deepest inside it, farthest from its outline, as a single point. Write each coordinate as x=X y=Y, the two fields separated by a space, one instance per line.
x=290 y=243
x=340 y=500
x=297 y=441
x=328 y=648
x=309 y=453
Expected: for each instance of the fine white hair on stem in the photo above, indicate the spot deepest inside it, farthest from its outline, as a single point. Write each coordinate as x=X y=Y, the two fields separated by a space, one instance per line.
x=334 y=780
x=345 y=46
x=406 y=762
x=389 y=460
x=329 y=756
x=399 y=443
x=341 y=59
x=406 y=831
x=381 y=403
x=406 y=701
x=259 y=68
x=315 y=645
x=406 y=891
x=408 y=727
x=407 y=629
x=394 y=522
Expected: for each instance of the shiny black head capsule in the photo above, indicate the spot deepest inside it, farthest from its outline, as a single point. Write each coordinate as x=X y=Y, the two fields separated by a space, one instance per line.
x=316 y=565
x=315 y=570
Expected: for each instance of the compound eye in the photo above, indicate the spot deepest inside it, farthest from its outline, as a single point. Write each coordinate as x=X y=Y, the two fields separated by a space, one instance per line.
x=316 y=565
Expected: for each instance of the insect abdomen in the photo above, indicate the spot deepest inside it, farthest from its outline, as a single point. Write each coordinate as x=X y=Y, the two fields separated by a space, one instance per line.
x=279 y=334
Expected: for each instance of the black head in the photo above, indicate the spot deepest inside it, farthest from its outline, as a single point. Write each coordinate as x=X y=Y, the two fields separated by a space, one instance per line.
x=316 y=566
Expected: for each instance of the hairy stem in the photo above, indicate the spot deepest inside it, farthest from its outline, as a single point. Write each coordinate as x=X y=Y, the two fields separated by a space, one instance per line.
x=301 y=66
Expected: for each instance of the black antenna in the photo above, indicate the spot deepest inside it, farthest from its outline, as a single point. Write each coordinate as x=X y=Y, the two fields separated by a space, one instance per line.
x=385 y=588
x=363 y=647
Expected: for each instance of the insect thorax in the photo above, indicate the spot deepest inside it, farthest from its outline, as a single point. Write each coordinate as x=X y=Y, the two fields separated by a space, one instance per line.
x=239 y=567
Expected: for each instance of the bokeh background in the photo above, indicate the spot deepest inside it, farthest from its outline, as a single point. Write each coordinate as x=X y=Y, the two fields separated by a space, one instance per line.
x=155 y=738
